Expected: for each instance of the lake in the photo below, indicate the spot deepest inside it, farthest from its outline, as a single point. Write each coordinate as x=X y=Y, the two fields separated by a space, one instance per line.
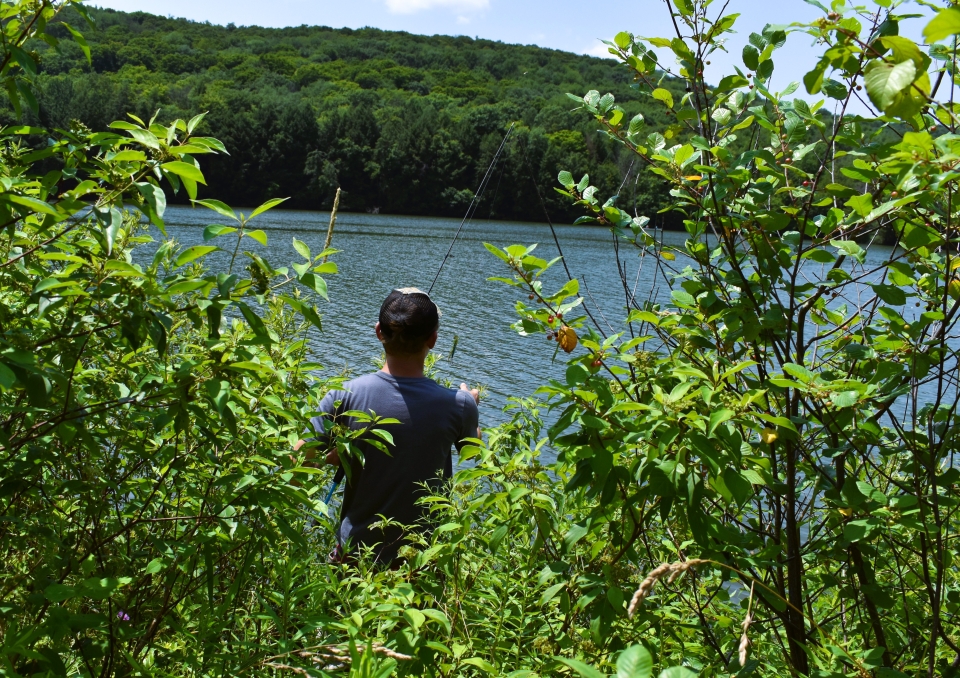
x=380 y=252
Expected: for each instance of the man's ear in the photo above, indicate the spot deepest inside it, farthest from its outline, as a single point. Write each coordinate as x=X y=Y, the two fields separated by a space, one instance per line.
x=379 y=333
x=432 y=341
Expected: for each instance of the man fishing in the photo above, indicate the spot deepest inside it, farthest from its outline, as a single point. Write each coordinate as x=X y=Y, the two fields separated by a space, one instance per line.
x=432 y=420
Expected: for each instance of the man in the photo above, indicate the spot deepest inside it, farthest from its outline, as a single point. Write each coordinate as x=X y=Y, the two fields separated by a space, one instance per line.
x=432 y=420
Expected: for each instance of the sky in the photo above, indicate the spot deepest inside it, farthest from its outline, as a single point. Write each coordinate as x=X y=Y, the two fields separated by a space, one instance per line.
x=570 y=25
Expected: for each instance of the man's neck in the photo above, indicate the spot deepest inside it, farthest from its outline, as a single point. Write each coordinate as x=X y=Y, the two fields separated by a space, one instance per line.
x=403 y=366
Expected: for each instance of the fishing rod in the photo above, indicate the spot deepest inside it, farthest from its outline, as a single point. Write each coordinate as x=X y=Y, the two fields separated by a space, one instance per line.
x=473 y=204
x=471 y=210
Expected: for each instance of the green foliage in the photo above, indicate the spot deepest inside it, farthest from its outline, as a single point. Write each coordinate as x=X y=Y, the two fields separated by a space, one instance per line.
x=405 y=124
x=789 y=417
x=755 y=478
x=155 y=520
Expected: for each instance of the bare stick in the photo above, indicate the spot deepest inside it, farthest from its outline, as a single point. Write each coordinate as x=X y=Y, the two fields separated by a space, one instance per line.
x=333 y=221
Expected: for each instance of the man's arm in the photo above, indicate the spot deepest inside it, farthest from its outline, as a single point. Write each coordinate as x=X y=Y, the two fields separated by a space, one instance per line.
x=328 y=410
x=476 y=398
x=332 y=457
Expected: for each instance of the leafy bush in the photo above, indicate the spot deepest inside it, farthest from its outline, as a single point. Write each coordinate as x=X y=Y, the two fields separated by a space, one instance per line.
x=789 y=416
x=756 y=478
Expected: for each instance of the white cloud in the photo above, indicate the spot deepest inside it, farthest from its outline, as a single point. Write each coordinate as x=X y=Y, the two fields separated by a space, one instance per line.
x=463 y=20
x=599 y=50
x=412 y=6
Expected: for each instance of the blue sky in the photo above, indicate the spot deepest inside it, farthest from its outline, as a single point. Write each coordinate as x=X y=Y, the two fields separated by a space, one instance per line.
x=571 y=25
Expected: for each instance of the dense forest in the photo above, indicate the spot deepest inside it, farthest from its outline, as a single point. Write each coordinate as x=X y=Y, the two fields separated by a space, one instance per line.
x=405 y=124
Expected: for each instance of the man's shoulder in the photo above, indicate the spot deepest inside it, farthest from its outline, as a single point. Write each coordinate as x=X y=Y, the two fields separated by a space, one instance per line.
x=466 y=400
x=373 y=379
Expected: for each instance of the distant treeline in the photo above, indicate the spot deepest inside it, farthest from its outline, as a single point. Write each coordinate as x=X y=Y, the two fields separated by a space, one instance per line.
x=405 y=124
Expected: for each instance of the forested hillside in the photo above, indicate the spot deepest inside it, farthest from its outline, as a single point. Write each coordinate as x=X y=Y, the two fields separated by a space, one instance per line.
x=404 y=123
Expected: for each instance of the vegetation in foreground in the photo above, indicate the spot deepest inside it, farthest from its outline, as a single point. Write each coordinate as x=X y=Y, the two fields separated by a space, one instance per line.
x=757 y=478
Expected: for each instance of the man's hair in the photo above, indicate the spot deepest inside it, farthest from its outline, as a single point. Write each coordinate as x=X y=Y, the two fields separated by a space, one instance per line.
x=407 y=319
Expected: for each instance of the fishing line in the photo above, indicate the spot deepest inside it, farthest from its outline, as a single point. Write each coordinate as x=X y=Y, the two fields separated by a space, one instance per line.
x=473 y=204
x=496 y=191
x=471 y=210
x=556 y=240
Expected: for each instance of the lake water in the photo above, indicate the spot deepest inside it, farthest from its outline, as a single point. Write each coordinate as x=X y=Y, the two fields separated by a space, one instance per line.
x=380 y=252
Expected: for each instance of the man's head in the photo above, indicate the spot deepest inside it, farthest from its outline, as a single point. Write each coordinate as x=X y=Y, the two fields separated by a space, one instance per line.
x=409 y=321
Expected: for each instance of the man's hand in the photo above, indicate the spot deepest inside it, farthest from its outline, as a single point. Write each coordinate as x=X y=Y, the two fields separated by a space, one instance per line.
x=332 y=457
x=476 y=396
x=474 y=392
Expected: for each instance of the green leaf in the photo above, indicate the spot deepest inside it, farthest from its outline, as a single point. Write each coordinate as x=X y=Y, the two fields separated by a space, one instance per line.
x=660 y=94
x=884 y=81
x=635 y=662
x=858 y=530
x=259 y=236
x=623 y=39
x=192 y=253
x=80 y=40
x=100 y=589
x=145 y=137
x=739 y=487
x=850 y=248
x=905 y=48
x=890 y=294
x=24 y=60
x=154 y=566
x=481 y=664
x=813 y=80
x=33 y=204
x=799 y=372
x=730 y=82
x=551 y=592
x=437 y=616
x=415 y=617
x=7 y=377
x=156 y=199
x=112 y=222
x=185 y=171
x=194 y=121
x=834 y=89
x=57 y=593
x=316 y=283
x=214 y=230
x=301 y=248
x=751 y=57
x=218 y=207
x=253 y=320
x=844 y=398
x=717 y=417
x=269 y=204
x=574 y=534
x=583 y=670
x=677 y=672
x=945 y=24
x=683 y=299
x=722 y=116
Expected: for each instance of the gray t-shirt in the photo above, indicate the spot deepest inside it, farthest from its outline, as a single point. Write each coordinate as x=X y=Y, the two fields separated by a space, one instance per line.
x=432 y=419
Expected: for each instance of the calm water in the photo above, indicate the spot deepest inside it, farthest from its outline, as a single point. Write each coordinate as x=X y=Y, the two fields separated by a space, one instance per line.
x=382 y=252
